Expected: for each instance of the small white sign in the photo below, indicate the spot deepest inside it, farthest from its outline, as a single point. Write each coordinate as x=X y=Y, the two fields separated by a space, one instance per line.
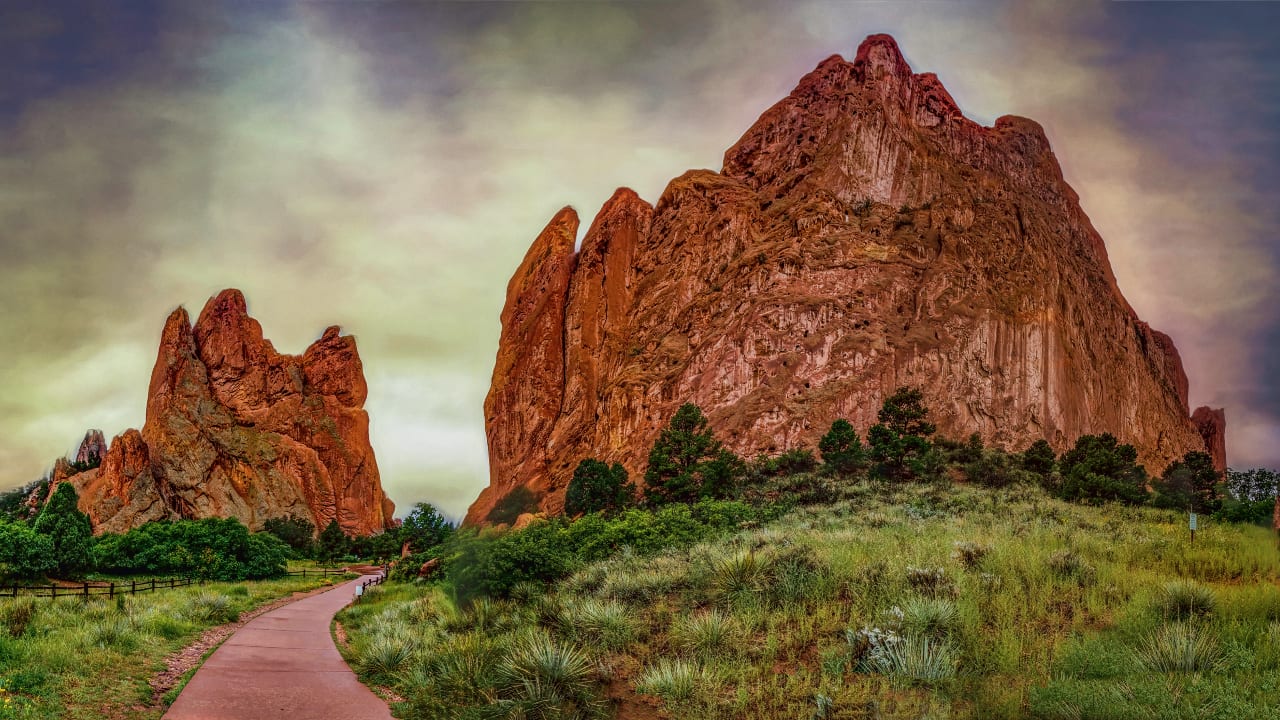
x=1193 y=521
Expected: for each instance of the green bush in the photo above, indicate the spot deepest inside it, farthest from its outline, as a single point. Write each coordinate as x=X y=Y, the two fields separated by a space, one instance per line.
x=69 y=529
x=212 y=548
x=24 y=553
x=899 y=442
x=1100 y=469
x=597 y=487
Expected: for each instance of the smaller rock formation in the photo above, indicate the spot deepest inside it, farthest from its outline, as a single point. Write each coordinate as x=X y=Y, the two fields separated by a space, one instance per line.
x=92 y=449
x=236 y=429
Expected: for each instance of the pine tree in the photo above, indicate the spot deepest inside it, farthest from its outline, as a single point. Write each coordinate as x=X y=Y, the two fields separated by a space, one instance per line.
x=69 y=529
x=841 y=448
x=597 y=487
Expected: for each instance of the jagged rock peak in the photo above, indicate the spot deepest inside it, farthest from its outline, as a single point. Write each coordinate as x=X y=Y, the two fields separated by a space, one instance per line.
x=93 y=448
x=236 y=429
x=862 y=235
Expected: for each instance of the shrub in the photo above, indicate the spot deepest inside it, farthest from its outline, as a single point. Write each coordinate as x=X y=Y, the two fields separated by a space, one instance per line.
x=212 y=548
x=931 y=582
x=116 y=633
x=1185 y=599
x=1100 y=469
x=424 y=528
x=1179 y=648
x=969 y=554
x=208 y=607
x=17 y=614
x=917 y=660
x=597 y=487
x=995 y=469
x=1067 y=565
x=737 y=577
x=514 y=504
x=24 y=553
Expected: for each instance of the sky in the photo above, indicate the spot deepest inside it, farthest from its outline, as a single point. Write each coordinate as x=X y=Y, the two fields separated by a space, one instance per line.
x=385 y=165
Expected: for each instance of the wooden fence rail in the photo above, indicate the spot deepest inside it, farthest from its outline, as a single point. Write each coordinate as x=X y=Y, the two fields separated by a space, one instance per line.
x=318 y=571
x=87 y=589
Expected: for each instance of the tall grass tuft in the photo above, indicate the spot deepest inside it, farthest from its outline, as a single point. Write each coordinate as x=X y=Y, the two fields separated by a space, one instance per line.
x=603 y=624
x=934 y=617
x=706 y=635
x=1180 y=648
x=917 y=660
x=386 y=653
x=739 y=577
x=211 y=607
x=17 y=614
x=1185 y=599
x=675 y=680
x=541 y=679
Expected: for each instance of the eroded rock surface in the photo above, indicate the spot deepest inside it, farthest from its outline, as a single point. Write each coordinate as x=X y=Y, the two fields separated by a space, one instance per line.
x=862 y=235
x=236 y=429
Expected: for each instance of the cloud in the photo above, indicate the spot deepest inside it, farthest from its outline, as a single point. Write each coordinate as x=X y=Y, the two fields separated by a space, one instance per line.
x=385 y=166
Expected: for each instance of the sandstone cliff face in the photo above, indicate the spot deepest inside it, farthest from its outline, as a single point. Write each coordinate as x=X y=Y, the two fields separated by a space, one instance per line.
x=236 y=429
x=862 y=235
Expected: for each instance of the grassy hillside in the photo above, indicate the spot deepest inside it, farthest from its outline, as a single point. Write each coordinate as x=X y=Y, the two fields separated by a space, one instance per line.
x=902 y=601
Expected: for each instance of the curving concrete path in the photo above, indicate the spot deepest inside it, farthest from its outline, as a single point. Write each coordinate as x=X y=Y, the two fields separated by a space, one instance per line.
x=282 y=664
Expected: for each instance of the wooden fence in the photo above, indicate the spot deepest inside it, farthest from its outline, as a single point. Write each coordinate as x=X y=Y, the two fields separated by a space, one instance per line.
x=87 y=589
x=111 y=589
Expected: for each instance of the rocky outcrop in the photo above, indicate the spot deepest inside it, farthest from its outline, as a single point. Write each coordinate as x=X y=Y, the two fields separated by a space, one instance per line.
x=92 y=449
x=236 y=429
x=862 y=235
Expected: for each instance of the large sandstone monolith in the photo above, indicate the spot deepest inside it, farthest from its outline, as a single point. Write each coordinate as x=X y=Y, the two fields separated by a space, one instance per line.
x=862 y=235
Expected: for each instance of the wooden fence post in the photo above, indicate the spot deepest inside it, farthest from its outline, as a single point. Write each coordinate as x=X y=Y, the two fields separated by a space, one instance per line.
x=111 y=592
x=86 y=588
x=53 y=591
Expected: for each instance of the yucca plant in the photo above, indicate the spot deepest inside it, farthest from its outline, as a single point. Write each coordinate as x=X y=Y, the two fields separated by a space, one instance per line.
x=541 y=679
x=603 y=624
x=675 y=680
x=932 y=617
x=1185 y=599
x=385 y=653
x=210 y=607
x=916 y=660
x=116 y=633
x=706 y=635
x=738 y=577
x=1180 y=648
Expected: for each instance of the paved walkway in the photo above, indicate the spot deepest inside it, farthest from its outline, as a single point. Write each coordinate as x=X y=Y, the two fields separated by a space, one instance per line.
x=282 y=665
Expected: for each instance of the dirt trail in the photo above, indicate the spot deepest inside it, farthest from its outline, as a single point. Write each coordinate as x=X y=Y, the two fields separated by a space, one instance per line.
x=282 y=664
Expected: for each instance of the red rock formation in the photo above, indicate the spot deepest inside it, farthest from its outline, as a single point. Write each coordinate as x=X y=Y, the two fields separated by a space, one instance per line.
x=236 y=429
x=92 y=449
x=862 y=235
x=1212 y=425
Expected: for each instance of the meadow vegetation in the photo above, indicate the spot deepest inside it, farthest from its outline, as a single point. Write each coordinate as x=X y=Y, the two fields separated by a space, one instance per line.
x=908 y=577
x=93 y=658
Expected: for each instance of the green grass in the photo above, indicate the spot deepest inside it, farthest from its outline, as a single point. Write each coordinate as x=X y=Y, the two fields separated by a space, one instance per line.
x=75 y=658
x=892 y=602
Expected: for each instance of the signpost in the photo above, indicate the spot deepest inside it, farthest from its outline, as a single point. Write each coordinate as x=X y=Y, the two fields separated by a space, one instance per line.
x=1193 y=527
